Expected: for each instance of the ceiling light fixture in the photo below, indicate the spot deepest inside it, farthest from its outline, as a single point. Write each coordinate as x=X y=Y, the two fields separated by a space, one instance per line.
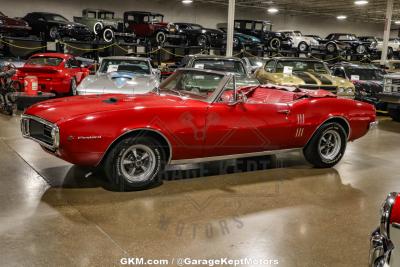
x=273 y=10
x=341 y=17
x=360 y=2
x=397 y=22
x=186 y=2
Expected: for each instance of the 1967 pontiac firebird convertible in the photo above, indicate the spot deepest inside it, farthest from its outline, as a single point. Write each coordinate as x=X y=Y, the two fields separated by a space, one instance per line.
x=195 y=115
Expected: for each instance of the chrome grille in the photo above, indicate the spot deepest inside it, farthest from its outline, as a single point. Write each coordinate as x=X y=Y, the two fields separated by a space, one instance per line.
x=41 y=131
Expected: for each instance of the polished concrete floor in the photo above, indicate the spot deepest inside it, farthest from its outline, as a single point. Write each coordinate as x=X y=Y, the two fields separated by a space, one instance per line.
x=55 y=214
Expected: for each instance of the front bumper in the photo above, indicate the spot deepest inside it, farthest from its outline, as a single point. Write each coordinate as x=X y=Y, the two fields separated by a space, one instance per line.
x=392 y=98
x=380 y=249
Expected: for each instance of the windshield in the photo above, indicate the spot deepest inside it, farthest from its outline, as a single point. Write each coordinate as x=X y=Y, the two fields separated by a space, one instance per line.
x=308 y=66
x=198 y=85
x=224 y=65
x=347 y=37
x=154 y=19
x=55 y=17
x=365 y=74
x=256 y=62
x=106 y=15
x=196 y=27
x=120 y=65
x=44 y=61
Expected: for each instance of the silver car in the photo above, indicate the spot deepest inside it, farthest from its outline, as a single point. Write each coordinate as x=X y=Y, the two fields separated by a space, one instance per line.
x=121 y=75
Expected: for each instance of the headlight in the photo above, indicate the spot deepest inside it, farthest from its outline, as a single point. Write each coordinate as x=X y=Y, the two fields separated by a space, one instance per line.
x=340 y=90
x=349 y=90
x=1 y=22
x=55 y=134
x=388 y=81
x=373 y=45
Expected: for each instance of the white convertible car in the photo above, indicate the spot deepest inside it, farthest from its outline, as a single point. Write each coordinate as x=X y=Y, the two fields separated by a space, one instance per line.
x=121 y=75
x=300 y=42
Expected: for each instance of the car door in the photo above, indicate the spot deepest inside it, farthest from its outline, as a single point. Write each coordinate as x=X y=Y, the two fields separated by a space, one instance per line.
x=246 y=127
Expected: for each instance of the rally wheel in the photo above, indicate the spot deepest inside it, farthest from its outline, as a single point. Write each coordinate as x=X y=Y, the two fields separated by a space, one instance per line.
x=326 y=148
x=135 y=163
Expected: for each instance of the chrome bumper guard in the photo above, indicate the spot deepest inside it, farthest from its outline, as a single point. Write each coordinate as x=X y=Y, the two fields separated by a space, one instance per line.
x=380 y=249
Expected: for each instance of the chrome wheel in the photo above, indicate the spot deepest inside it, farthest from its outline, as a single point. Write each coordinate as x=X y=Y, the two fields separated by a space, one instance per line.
x=303 y=47
x=138 y=163
x=329 y=145
x=53 y=32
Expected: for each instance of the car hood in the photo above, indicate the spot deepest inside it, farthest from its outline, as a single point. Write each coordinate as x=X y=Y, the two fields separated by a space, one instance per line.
x=118 y=82
x=369 y=86
x=311 y=78
x=247 y=37
x=65 y=23
x=61 y=109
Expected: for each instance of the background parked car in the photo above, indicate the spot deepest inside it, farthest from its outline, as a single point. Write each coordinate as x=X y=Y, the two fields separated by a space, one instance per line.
x=367 y=78
x=52 y=26
x=391 y=65
x=57 y=73
x=304 y=73
x=199 y=36
x=393 y=47
x=254 y=63
x=390 y=94
x=300 y=42
x=104 y=25
x=347 y=42
x=262 y=29
x=223 y=64
x=13 y=27
x=121 y=75
x=151 y=26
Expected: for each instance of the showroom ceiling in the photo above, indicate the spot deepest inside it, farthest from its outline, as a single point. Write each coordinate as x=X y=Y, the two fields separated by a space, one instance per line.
x=373 y=11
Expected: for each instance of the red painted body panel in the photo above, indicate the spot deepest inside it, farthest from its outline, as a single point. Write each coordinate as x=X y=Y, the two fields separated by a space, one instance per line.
x=270 y=120
x=147 y=29
x=395 y=214
x=55 y=79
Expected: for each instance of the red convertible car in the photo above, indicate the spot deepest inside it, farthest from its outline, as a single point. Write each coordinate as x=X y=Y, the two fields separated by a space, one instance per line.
x=56 y=73
x=195 y=115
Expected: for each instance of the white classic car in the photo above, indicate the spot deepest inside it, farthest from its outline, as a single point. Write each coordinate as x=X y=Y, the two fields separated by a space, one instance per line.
x=300 y=42
x=393 y=46
x=121 y=75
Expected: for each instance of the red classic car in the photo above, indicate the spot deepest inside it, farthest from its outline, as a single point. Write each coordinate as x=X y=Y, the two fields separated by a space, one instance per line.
x=13 y=27
x=56 y=73
x=386 y=238
x=195 y=115
x=151 y=26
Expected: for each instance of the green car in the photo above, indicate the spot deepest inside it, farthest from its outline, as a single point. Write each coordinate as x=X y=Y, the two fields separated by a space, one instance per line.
x=104 y=24
x=223 y=64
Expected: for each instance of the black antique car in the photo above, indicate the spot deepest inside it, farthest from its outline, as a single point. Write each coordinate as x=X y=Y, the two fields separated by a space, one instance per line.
x=262 y=29
x=200 y=36
x=52 y=26
x=367 y=79
x=13 y=27
x=346 y=42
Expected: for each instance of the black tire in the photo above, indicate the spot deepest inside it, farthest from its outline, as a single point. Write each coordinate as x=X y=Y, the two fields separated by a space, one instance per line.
x=53 y=33
x=394 y=114
x=236 y=43
x=116 y=170
x=275 y=44
x=390 y=53
x=335 y=138
x=72 y=87
x=161 y=38
x=303 y=47
x=108 y=35
x=331 y=48
x=202 y=40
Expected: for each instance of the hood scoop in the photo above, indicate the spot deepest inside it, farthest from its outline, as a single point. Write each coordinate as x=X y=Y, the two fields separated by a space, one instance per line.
x=111 y=100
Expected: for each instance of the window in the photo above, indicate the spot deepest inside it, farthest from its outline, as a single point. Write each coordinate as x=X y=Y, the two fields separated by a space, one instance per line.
x=307 y=66
x=232 y=66
x=338 y=72
x=44 y=61
x=106 y=15
x=249 y=26
x=258 y=26
x=237 y=25
x=91 y=15
x=270 y=66
x=72 y=64
x=120 y=65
